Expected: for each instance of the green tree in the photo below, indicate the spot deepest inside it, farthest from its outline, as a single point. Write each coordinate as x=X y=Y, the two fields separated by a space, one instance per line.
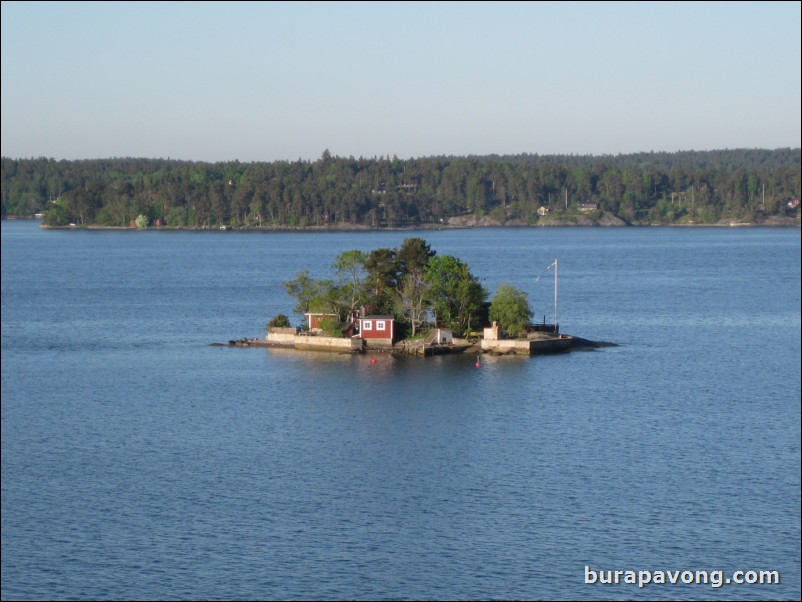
x=382 y=279
x=57 y=215
x=413 y=256
x=457 y=296
x=350 y=266
x=510 y=308
x=306 y=291
x=412 y=299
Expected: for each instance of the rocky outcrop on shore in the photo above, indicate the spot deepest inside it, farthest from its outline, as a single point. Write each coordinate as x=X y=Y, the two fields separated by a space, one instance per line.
x=603 y=219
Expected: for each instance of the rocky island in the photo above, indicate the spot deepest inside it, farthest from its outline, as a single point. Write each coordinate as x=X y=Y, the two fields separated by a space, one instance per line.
x=411 y=301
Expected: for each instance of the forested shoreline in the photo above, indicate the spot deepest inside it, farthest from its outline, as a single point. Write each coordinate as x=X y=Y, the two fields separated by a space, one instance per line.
x=691 y=187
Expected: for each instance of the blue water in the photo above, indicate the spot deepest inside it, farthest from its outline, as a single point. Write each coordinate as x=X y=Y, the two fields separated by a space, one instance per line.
x=139 y=462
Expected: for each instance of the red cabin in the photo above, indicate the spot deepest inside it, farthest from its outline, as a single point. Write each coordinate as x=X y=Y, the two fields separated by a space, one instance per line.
x=377 y=331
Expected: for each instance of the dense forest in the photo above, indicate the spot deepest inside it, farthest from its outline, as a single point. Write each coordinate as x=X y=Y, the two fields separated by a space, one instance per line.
x=746 y=185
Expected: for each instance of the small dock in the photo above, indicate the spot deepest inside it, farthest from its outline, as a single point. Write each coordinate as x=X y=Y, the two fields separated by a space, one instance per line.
x=545 y=338
x=529 y=346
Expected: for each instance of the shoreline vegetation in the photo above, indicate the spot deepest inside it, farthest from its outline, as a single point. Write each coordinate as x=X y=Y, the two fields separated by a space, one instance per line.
x=711 y=188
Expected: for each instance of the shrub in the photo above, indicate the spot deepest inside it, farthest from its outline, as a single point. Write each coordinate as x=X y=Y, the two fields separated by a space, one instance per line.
x=279 y=321
x=331 y=327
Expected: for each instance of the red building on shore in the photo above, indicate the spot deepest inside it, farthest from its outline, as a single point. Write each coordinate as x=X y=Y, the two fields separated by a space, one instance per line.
x=377 y=331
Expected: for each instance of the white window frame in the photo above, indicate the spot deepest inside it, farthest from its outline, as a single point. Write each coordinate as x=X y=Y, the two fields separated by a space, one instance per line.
x=367 y=324
x=380 y=325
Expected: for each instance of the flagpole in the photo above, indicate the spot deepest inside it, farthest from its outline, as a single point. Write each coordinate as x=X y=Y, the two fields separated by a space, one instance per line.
x=555 y=295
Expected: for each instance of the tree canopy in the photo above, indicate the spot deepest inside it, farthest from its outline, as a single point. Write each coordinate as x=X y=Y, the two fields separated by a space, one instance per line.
x=510 y=308
x=413 y=283
x=659 y=188
x=456 y=295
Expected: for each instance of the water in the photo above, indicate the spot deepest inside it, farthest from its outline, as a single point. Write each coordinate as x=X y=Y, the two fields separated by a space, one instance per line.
x=138 y=462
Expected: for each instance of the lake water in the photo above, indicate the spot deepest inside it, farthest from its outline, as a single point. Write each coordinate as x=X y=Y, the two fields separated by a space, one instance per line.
x=139 y=462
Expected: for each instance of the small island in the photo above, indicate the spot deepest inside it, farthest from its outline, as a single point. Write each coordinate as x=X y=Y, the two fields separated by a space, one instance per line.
x=411 y=300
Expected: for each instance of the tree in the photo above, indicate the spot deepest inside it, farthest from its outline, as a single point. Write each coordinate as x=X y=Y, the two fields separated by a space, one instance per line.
x=350 y=266
x=382 y=280
x=57 y=215
x=412 y=298
x=304 y=290
x=413 y=255
x=412 y=289
x=457 y=296
x=510 y=308
x=470 y=298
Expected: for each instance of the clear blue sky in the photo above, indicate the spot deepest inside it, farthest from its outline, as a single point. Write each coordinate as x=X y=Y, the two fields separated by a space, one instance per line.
x=255 y=81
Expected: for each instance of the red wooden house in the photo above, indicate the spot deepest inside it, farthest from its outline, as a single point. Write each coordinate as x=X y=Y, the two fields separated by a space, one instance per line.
x=377 y=331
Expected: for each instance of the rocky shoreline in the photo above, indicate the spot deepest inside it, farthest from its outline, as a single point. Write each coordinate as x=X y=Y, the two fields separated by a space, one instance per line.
x=456 y=223
x=415 y=348
x=603 y=219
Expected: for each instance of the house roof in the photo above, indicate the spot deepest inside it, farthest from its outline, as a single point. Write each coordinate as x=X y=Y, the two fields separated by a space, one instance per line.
x=377 y=318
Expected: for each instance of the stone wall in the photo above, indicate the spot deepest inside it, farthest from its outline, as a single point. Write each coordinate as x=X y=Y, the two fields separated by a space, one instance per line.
x=289 y=337
x=506 y=346
x=282 y=336
x=277 y=330
x=329 y=343
x=524 y=346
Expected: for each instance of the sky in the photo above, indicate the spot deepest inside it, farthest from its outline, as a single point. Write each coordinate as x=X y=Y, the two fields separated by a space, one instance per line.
x=270 y=81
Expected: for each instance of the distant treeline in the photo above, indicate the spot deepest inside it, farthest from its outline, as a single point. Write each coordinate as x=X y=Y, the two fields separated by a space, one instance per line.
x=656 y=188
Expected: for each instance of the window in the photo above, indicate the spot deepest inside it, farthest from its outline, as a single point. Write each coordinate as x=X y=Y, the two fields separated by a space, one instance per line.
x=379 y=324
x=367 y=325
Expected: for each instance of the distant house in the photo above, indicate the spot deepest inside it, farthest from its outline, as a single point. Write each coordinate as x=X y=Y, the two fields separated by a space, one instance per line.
x=377 y=331
x=793 y=203
x=313 y=320
x=542 y=211
x=588 y=207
